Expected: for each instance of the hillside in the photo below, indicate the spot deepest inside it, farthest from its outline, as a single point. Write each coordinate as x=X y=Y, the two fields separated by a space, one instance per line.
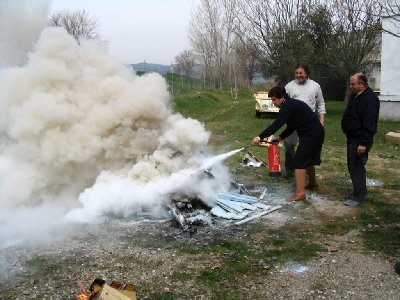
x=149 y=67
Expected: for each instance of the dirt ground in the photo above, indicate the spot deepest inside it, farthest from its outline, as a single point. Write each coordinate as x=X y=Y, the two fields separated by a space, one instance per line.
x=144 y=252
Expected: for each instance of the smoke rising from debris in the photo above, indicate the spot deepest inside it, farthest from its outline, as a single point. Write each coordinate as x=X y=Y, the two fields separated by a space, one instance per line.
x=82 y=138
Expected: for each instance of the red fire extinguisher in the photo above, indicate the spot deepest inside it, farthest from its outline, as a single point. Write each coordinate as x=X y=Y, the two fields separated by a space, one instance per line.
x=274 y=160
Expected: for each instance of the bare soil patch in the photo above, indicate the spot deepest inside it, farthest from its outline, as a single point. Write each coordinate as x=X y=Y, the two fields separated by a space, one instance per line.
x=149 y=254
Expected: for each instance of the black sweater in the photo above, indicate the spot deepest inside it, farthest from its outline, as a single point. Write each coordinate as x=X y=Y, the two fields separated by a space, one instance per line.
x=360 y=118
x=297 y=115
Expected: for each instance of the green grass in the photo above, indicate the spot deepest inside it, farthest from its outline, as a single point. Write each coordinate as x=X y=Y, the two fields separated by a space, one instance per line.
x=165 y=296
x=292 y=246
x=47 y=265
x=180 y=276
x=230 y=260
x=222 y=115
x=233 y=124
x=335 y=137
x=338 y=226
x=393 y=185
x=236 y=118
x=379 y=224
x=381 y=232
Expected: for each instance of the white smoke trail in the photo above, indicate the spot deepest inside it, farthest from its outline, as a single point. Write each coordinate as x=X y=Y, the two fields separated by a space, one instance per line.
x=76 y=124
x=218 y=158
x=122 y=196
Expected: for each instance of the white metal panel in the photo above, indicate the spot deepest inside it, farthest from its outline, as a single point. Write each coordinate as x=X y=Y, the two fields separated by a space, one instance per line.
x=390 y=75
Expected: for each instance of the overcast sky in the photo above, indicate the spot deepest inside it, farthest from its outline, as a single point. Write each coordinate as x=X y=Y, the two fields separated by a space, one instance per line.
x=138 y=30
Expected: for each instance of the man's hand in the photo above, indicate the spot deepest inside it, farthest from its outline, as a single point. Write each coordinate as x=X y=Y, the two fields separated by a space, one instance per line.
x=322 y=119
x=275 y=139
x=256 y=140
x=361 y=149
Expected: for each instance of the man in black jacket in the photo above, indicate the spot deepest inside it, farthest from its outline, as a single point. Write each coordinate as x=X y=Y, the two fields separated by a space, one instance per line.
x=359 y=124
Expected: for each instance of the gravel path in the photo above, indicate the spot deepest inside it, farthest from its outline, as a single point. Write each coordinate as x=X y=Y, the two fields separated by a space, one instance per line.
x=143 y=253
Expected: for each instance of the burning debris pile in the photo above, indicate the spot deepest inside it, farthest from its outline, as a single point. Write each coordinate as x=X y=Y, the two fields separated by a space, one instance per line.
x=239 y=206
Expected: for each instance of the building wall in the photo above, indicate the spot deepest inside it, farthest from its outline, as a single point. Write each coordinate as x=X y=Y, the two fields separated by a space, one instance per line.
x=374 y=76
x=389 y=110
x=390 y=72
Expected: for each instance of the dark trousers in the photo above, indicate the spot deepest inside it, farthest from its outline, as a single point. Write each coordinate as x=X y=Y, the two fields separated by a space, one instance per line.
x=356 y=166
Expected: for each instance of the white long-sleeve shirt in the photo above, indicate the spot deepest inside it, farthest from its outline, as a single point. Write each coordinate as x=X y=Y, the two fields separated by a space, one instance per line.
x=309 y=92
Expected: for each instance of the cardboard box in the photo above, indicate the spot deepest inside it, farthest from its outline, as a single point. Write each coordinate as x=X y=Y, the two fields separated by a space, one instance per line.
x=393 y=137
x=109 y=293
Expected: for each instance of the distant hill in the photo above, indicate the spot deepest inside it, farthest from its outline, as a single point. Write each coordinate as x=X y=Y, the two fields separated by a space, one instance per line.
x=163 y=69
x=149 y=67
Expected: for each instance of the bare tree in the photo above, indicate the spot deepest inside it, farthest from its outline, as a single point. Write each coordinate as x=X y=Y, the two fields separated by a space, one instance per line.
x=247 y=60
x=212 y=35
x=390 y=10
x=276 y=26
x=202 y=41
x=358 y=27
x=337 y=38
x=248 y=52
x=358 y=31
x=185 y=62
x=78 y=23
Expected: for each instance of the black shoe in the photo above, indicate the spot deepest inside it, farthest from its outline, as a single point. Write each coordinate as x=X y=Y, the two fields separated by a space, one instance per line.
x=288 y=174
x=351 y=202
x=397 y=267
x=354 y=201
x=352 y=196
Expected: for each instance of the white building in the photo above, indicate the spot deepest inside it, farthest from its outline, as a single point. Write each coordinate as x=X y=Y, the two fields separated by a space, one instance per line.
x=390 y=67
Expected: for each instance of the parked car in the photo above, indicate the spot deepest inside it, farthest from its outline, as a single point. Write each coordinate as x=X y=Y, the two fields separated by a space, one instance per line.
x=264 y=105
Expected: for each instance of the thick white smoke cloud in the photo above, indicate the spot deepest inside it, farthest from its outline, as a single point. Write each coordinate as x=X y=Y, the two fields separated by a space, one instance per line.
x=20 y=24
x=83 y=136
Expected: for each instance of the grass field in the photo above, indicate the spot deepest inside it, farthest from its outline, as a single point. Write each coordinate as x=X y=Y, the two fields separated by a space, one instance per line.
x=233 y=123
x=235 y=119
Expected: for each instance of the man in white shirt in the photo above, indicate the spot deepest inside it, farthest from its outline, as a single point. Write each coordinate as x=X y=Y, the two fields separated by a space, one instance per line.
x=308 y=91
